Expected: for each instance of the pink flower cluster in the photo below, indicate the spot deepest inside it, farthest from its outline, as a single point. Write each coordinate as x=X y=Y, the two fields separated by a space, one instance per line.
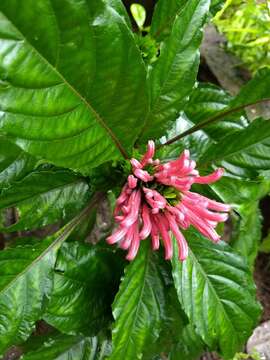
x=156 y=201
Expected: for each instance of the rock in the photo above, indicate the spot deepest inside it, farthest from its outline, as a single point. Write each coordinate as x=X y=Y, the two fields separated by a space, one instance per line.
x=223 y=65
x=260 y=341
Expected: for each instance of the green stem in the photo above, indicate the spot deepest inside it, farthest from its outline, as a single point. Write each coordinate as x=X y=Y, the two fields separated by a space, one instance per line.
x=211 y=120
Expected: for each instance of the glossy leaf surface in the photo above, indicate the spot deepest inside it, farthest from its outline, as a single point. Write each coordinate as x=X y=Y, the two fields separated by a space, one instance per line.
x=25 y=285
x=216 y=291
x=64 y=347
x=14 y=163
x=174 y=74
x=83 y=289
x=247 y=232
x=247 y=148
x=138 y=306
x=80 y=84
x=45 y=197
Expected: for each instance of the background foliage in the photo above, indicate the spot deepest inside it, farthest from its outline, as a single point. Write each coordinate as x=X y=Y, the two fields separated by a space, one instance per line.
x=246 y=27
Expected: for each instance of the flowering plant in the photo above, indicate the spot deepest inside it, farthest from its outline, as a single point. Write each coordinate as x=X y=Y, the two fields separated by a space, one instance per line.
x=163 y=202
x=83 y=92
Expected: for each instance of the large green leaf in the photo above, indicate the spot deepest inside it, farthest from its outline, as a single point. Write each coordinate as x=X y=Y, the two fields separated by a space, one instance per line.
x=241 y=151
x=173 y=321
x=165 y=13
x=174 y=74
x=247 y=148
x=217 y=293
x=216 y=5
x=256 y=89
x=64 y=347
x=164 y=16
x=45 y=197
x=138 y=306
x=206 y=101
x=247 y=232
x=25 y=285
x=85 y=281
x=72 y=80
x=214 y=141
x=240 y=192
x=189 y=347
x=14 y=163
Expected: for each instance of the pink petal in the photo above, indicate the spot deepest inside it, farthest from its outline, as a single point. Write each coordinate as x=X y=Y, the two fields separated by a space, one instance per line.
x=176 y=212
x=134 y=202
x=181 y=241
x=147 y=226
x=149 y=154
x=209 y=179
x=135 y=164
x=204 y=213
x=132 y=181
x=135 y=244
x=123 y=196
x=162 y=226
x=203 y=226
x=154 y=234
x=125 y=243
x=143 y=175
x=117 y=235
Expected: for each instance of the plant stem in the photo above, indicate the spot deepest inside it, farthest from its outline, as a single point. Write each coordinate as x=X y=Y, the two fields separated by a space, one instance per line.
x=211 y=120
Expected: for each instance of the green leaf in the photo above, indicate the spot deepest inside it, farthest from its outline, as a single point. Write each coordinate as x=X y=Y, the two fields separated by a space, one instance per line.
x=120 y=8
x=138 y=306
x=240 y=192
x=173 y=322
x=86 y=279
x=45 y=197
x=216 y=5
x=25 y=285
x=189 y=347
x=265 y=245
x=174 y=74
x=139 y=14
x=206 y=101
x=165 y=13
x=216 y=290
x=14 y=163
x=64 y=347
x=247 y=233
x=247 y=148
x=256 y=89
x=81 y=84
x=164 y=16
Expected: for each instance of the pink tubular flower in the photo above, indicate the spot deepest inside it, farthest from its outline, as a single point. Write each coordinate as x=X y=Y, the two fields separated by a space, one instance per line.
x=156 y=201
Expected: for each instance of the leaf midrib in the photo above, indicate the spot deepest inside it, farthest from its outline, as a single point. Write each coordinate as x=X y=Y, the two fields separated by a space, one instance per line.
x=75 y=182
x=59 y=239
x=244 y=149
x=81 y=98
